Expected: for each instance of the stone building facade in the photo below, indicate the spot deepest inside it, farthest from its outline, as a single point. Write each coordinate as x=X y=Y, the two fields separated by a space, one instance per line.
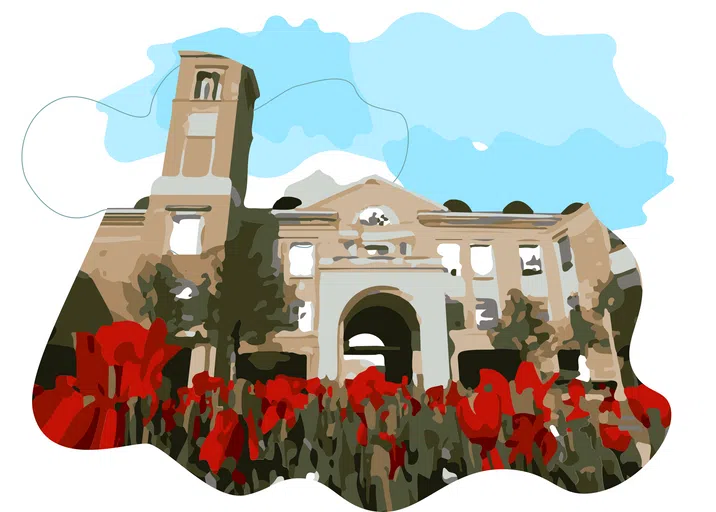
x=189 y=212
x=372 y=275
x=351 y=259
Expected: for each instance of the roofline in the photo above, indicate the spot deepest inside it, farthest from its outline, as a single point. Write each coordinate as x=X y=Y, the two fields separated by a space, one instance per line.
x=450 y=220
x=367 y=180
x=194 y=54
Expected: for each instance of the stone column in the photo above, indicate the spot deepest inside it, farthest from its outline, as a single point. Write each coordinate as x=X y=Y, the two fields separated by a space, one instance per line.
x=507 y=267
x=553 y=270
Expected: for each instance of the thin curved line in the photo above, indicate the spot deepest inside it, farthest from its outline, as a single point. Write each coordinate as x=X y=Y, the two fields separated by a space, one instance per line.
x=355 y=89
x=24 y=138
x=151 y=105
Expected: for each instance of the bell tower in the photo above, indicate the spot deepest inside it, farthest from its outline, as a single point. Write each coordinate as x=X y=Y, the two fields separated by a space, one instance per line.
x=206 y=161
x=210 y=131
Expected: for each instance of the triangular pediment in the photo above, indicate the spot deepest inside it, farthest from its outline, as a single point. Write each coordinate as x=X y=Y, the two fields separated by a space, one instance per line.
x=375 y=192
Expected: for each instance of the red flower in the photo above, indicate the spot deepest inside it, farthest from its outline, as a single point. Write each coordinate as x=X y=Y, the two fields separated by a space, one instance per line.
x=480 y=416
x=121 y=361
x=202 y=386
x=436 y=399
x=370 y=386
x=613 y=437
x=225 y=440
x=137 y=354
x=439 y=401
x=529 y=430
x=528 y=377
x=610 y=404
x=315 y=388
x=362 y=433
x=282 y=397
x=188 y=396
x=253 y=437
x=641 y=399
x=238 y=477
x=575 y=388
x=397 y=453
x=168 y=410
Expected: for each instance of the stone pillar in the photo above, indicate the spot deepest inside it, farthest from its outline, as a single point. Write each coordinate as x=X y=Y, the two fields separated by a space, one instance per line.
x=468 y=300
x=507 y=267
x=553 y=270
x=591 y=259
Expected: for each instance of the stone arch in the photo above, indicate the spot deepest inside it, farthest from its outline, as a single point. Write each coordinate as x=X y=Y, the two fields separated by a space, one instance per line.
x=380 y=327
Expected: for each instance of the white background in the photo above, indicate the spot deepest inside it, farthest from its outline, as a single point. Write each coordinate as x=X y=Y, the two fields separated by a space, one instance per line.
x=665 y=63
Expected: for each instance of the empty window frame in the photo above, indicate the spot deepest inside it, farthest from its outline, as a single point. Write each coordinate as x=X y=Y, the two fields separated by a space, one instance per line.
x=486 y=316
x=531 y=260
x=185 y=238
x=565 y=253
x=482 y=260
x=305 y=317
x=301 y=259
x=450 y=254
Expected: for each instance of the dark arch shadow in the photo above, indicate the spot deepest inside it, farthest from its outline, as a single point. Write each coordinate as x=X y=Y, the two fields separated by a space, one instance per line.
x=391 y=319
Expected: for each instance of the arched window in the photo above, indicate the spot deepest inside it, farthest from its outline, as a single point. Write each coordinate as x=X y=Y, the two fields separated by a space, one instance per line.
x=207 y=86
x=374 y=216
x=482 y=260
x=205 y=89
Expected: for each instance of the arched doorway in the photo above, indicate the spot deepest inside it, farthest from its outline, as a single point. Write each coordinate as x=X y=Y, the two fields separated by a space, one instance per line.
x=381 y=329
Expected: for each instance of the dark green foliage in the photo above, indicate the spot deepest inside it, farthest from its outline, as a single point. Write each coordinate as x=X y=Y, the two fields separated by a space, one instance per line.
x=83 y=311
x=583 y=329
x=249 y=297
x=517 y=207
x=611 y=296
x=454 y=311
x=262 y=366
x=614 y=241
x=287 y=203
x=522 y=325
x=504 y=361
x=56 y=360
x=572 y=208
x=160 y=291
x=455 y=205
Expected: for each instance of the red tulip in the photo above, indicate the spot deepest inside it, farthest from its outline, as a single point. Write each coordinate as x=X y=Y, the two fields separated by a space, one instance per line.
x=253 y=437
x=225 y=440
x=641 y=399
x=88 y=411
x=575 y=388
x=370 y=386
x=529 y=430
x=397 y=453
x=613 y=437
x=528 y=377
x=282 y=397
x=480 y=416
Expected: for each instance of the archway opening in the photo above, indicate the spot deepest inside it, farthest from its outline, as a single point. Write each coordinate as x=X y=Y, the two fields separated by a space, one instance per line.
x=382 y=330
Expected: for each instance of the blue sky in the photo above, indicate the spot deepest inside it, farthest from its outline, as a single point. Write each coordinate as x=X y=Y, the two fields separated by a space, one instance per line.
x=558 y=126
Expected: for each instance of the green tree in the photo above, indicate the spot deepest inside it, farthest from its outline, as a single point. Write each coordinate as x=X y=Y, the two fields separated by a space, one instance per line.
x=523 y=325
x=248 y=303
